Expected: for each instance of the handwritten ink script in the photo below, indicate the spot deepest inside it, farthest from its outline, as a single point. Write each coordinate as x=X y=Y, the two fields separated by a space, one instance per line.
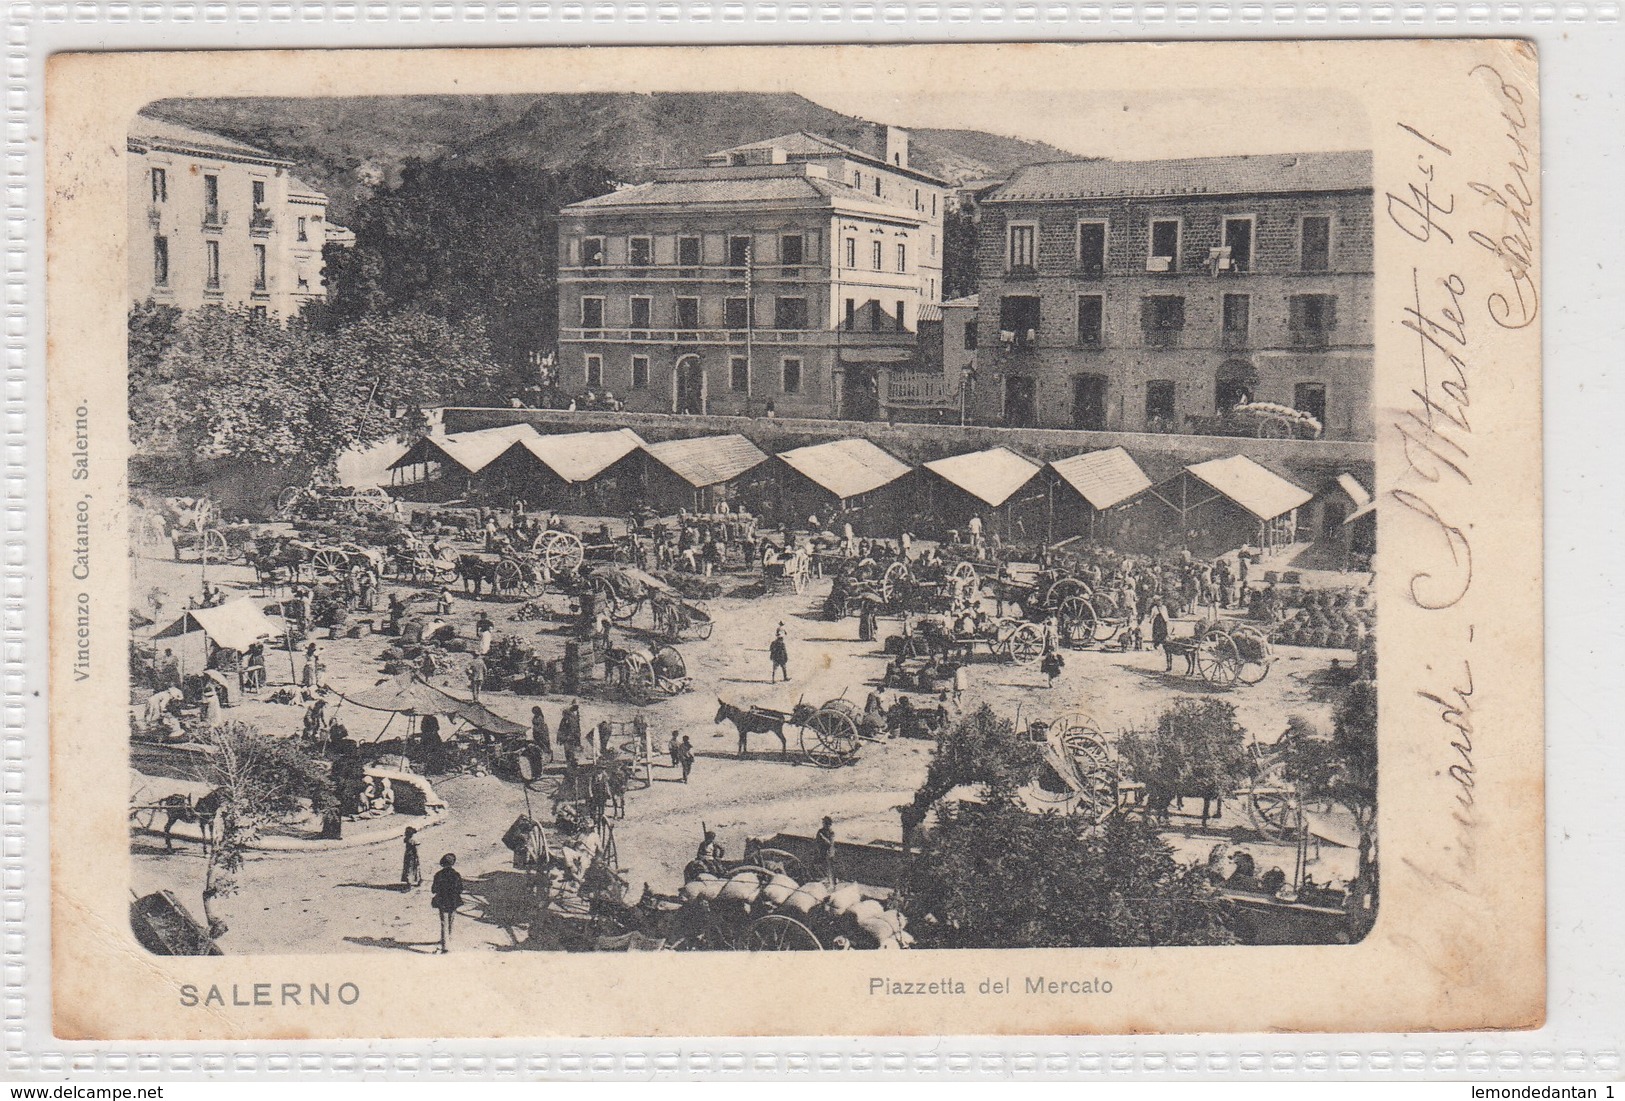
x=1452 y=313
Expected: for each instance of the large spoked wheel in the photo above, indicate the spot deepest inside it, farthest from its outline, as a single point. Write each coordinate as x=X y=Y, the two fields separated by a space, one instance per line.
x=780 y=933
x=1067 y=588
x=638 y=678
x=1253 y=647
x=965 y=574
x=779 y=862
x=891 y=583
x=215 y=547
x=1107 y=622
x=514 y=578
x=1274 y=807
x=830 y=739
x=1217 y=659
x=562 y=551
x=328 y=561
x=1081 y=738
x=1080 y=614
x=1275 y=428
x=1026 y=643
x=288 y=498
x=702 y=625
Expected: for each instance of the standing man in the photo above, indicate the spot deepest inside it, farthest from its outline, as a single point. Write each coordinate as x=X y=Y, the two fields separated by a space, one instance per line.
x=779 y=653
x=826 y=848
x=570 y=733
x=975 y=529
x=411 y=869
x=539 y=732
x=476 y=677
x=446 y=895
x=685 y=756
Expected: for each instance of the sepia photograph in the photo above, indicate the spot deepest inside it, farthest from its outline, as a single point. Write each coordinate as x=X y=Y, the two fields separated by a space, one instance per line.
x=724 y=522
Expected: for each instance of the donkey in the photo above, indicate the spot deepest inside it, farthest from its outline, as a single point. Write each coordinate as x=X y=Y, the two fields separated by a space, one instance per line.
x=181 y=808
x=749 y=722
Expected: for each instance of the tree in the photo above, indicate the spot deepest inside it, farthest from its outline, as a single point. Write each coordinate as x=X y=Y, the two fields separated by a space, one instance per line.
x=997 y=876
x=980 y=750
x=1354 y=738
x=262 y=783
x=1196 y=749
x=960 y=270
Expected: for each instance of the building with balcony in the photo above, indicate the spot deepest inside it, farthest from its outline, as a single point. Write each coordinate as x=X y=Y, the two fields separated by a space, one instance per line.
x=214 y=221
x=1155 y=296
x=787 y=274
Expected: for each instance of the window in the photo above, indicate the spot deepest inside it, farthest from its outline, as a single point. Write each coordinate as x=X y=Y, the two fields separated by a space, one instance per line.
x=1237 y=318
x=874 y=254
x=595 y=370
x=259 y=267
x=792 y=251
x=688 y=252
x=791 y=381
x=1091 y=310
x=1092 y=249
x=902 y=259
x=1315 y=249
x=592 y=252
x=851 y=252
x=259 y=193
x=851 y=315
x=902 y=316
x=1159 y=404
x=640 y=251
x=211 y=258
x=1311 y=316
x=1310 y=397
x=738 y=252
x=735 y=313
x=738 y=374
x=933 y=204
x=970 y=335
x=790 y=313
x=160 y=261
x=211 y=200
x=1023 y=254
x=1164 y=245
x=592 y=313
x=160 y=186
x=933 y=246
x=640 y=372
x=917 y=204
x=688 y=315
x=877 y=187
x=857 y=180
x=1238 y=238
x=1089 y=402
x=1018 y=317
x=260 y=313
x=1162 y=316
x=304 y=230
x=641 y=311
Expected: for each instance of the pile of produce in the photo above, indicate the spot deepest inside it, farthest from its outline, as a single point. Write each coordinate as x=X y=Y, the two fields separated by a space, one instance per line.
x=841 y=911
x=1337 y=619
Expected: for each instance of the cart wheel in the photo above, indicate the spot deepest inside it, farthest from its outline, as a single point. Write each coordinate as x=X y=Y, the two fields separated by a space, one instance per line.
x=1065 y=588
x=289 y=497
x=779 y=862
x=328 y=561
x=1107 y=623
x=1077 y=611
x=896 y=575
x=510 y=576
x=1276 y=812
x=444 y=573
x=1084 y=741
x=830 y=739
x=1217 y=660
x=702 y=629
x=1253 y=646
x=966 y=575
x=780 y=933
x=1026 y=643
x=564 y=552
x=215 y=546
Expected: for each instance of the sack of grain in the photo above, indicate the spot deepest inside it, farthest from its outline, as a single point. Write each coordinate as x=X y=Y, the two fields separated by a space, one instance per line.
x=779 y=888
x=807 y=897
x=706 y=887
x=743 y=887
x=844 y=897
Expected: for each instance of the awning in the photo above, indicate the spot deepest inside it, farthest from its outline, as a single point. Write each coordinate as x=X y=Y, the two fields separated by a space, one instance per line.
x=236 y=624
x=1255 y=488
x=708 y=460
x=472 y=451
x=1358 y=496
x=575 y=457
x=992 y=476
x=407 y=695
x=1103 y=478
x=847 y=468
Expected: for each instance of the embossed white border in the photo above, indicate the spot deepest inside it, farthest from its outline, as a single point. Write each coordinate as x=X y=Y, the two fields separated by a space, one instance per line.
x=1582 y=46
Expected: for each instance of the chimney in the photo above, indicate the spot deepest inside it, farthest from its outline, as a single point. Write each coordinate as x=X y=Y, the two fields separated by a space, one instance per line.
x=896 y=146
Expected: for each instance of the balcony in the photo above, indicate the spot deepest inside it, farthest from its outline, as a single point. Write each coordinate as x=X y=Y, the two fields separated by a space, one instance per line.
x=703 y=273
x=1023 y=342
x=260 y=223
x=215 y=219
x=155 y=216
x=734 y=337
x=919 y=392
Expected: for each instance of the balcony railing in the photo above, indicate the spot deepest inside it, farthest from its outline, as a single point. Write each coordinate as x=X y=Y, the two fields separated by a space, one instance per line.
x=734 y=336
x=215 y=219
x=261 y=222
x=720 y=273
x=155 y=216
x=920 y=391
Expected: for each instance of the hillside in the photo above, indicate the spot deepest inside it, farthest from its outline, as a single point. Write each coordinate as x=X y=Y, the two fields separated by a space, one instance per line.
x=347 y=146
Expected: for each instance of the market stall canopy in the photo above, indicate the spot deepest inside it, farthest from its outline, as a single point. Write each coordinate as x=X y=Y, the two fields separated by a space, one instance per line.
x=992 y=476
x=847 y=468
x=1103 y=478
x=1364 y=503
x=236 y=624
x=575 y=457
x=1255 y=488
x=407 y=695
x=472 y=451
x=708 y=460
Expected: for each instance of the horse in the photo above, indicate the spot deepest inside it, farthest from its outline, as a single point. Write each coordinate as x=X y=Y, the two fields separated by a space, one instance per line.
x=181 y=808
x=1159 y=799
x=749 y=722
x=475 y=573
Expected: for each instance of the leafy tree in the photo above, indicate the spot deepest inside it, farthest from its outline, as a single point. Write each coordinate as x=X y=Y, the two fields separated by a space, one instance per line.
x=960 y=270
x=980 y=750
x=1196 y=749
x=262 y=783
x=996 y=876
x=1354 y=738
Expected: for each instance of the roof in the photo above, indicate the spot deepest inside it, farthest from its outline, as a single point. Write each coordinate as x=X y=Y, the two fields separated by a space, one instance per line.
x=847 y=468
x=473 y=451
x=298 y=187
x=1255 y=488
x=929 y=311
x=992 y=476
x=1364 y=503
x=580 y=456
x=804 y=143
x=970 y=301
x=1268 y=173
x=236 y=624
x=148 y=128
x=708 y=460
x=745 y=188
x=1103 y=478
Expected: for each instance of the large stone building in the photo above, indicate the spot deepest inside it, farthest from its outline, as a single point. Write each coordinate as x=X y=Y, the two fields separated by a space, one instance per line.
x=216 y=222
x=789 y=272
x=1157 y=295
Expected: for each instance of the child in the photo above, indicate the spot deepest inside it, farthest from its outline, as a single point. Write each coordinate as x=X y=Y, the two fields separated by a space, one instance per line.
x=685 y=756
x=411 y=869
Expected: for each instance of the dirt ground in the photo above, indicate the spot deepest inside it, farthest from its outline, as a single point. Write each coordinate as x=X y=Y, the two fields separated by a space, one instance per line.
x=349 y=899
